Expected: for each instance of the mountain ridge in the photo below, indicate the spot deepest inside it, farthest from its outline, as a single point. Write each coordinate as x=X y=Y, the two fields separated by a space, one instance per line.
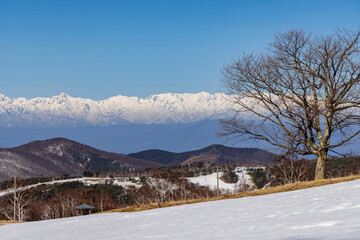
x=64 y=110
x=215 y=153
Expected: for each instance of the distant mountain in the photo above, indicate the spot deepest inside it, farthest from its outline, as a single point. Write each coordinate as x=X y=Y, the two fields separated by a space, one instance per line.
x=173 y=122
x=62 y=156
x=65 y=111
x=213 y=153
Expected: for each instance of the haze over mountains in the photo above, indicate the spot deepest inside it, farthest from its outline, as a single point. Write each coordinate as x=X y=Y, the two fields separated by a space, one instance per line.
x=176 y=137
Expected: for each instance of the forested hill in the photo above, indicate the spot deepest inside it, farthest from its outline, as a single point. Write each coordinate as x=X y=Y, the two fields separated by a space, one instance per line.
x=213 y=153
x=62 y=156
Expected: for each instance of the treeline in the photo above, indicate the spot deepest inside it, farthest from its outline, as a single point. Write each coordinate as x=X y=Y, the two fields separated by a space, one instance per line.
x=59 y=200
x=24 y=182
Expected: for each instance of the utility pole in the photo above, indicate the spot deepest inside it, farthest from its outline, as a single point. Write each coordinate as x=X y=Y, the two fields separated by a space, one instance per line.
x=217 y=182
x=14 y=198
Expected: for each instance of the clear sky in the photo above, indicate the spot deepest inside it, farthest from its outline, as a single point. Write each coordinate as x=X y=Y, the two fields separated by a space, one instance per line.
x=98 y=49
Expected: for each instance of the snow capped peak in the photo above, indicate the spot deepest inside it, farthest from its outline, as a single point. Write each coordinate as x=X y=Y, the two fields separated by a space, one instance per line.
x=64 y=110
x=61 y=96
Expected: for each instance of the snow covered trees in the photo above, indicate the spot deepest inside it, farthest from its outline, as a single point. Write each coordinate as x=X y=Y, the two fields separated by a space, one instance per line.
x=303 y=95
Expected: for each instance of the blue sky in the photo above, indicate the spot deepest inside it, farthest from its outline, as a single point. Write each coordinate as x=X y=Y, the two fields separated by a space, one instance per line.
x=98 y=49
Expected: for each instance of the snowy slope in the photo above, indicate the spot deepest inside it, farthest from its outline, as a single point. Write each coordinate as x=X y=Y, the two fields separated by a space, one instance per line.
x=64 y=110
x=328 y=212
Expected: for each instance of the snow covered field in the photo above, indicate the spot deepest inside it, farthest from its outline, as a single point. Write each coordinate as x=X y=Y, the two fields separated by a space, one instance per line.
x=328 y=212
x=210 y=180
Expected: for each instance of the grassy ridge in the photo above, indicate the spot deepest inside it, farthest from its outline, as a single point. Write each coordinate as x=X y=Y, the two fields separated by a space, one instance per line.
x=4 y=222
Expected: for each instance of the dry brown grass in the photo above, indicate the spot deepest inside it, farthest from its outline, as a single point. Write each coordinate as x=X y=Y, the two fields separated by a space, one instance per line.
x=3 y=222
x=278 y=189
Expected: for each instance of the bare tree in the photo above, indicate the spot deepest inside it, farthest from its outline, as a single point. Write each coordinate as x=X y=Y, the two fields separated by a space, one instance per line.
x=103 y=201
x=289 y=170
x=17 y=204
x=49 y=211
x=184 y=189
x=302 y=95
x=162 y=189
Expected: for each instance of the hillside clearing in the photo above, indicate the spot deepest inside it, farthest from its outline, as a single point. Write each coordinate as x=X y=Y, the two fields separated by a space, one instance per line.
x=210 y=180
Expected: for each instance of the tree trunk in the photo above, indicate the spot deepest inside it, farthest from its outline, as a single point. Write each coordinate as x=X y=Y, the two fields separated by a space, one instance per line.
x=320 y=165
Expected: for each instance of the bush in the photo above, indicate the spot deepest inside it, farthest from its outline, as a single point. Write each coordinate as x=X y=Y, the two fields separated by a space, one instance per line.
x=259 y=176
x=230 y=176
x=70 y=186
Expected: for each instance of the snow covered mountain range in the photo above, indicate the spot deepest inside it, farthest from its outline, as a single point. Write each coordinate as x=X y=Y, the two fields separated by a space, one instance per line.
x=65 y=111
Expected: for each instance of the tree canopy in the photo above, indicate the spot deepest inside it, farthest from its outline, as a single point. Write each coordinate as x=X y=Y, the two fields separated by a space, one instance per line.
x=303 y=95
